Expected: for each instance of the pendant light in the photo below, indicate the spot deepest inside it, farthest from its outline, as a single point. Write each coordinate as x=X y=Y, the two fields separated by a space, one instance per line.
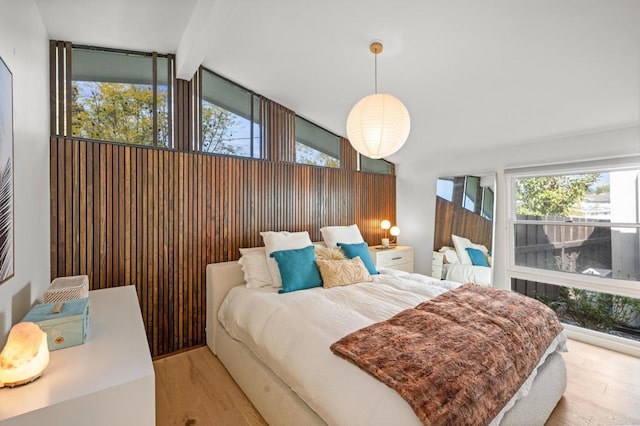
x=379 y=124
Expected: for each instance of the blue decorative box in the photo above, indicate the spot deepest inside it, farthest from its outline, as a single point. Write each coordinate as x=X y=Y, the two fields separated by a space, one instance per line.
x=64 y=329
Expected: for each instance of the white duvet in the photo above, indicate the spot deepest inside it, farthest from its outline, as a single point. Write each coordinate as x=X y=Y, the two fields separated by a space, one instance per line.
x=460 y=273
x=292 y=333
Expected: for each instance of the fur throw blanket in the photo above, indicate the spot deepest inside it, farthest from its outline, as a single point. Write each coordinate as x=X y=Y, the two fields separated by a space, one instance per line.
x=458 y=358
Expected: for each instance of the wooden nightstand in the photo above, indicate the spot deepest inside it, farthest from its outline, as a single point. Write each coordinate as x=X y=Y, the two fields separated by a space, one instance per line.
x=398 y=257
x=437 y=262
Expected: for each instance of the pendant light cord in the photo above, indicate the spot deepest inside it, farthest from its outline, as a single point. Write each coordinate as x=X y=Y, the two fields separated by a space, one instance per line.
x=375 y=73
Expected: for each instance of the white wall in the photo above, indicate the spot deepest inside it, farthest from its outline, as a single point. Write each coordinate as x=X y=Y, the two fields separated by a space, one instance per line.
x=24 y=47
x=416 y=183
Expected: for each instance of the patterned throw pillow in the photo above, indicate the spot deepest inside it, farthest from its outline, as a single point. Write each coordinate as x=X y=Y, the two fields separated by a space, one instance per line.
x=325 y=253
x=343 y=272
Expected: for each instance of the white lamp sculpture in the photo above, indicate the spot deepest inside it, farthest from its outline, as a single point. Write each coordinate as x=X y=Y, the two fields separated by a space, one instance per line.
x=25 y=356
x=379 y=124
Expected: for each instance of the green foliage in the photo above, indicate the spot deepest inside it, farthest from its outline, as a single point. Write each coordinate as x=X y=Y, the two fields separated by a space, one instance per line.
x=122 y=112
x=552 y=195
x=118 y=112
x=593 y=310
x=307 y=155
x=602 y=189
x=217 y=130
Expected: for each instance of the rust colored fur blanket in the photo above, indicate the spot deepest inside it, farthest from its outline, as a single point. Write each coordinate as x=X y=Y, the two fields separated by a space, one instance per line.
x=458 y=358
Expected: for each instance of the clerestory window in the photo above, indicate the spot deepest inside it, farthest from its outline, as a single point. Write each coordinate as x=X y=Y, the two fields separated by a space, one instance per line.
x=121 y=96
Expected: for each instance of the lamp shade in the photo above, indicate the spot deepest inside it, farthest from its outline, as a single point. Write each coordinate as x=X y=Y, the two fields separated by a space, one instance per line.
x=385 y=224
x=378 y=125
x=395 y=231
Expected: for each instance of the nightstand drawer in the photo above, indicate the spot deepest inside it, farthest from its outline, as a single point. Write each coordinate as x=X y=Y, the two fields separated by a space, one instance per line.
x=437 y=261
x=392 y=257
x=436 y=272
x=400 y=258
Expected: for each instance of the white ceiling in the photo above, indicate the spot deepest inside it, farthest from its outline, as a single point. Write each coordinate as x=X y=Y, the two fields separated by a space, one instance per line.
x=473 y=74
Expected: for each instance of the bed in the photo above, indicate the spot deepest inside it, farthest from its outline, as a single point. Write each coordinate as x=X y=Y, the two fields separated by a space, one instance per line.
x=276 y=394
x=467 y=262
x=457 y=272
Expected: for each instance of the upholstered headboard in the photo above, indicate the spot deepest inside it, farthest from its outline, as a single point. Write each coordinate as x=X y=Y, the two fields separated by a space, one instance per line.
x=221 y=277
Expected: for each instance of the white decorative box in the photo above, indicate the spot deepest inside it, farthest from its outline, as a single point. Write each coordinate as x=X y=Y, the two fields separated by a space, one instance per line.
x=67 y=288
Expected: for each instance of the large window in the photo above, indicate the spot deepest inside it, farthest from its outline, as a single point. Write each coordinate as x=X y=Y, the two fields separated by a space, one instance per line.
x=315 y=146
x=594 y=310
x=115 y=98
x=579 y=229
x=230 y=118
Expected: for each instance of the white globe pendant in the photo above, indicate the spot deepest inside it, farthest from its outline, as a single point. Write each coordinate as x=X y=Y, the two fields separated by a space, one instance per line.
x=378 y=125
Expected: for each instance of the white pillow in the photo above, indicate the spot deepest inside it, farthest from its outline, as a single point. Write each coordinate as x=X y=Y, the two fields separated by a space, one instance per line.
x=332 y=235
x=274 y=241
x=451 y=256
x=461 y=243
x=480 y=247
x=255 y=267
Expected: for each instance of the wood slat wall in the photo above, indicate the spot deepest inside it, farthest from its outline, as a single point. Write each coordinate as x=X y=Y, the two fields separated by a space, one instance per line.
x=155 y=218
x=278 y=131
x=452 y=218
x=348 y=155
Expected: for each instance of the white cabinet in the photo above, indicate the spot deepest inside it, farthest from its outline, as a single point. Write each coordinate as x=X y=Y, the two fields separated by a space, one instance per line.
x=398 y=257
x=109 y=380
x=437 y=262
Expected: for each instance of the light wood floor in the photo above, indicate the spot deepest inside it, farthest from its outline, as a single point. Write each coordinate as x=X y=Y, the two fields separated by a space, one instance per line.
x=193 y=388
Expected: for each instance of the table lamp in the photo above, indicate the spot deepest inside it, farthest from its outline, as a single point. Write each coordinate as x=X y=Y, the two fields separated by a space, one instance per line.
x=25 y=356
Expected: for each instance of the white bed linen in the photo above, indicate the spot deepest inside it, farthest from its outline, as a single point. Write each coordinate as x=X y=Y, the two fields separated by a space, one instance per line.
x=460 y=273
x=292 y=333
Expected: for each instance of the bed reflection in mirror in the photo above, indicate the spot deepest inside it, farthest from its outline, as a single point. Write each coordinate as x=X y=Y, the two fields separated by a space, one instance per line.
x=463 y=234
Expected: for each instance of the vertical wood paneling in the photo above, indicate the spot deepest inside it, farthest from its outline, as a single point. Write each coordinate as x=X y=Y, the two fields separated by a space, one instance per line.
x=278 y=131
x=53 y=83
x=155 y=219
x=60 y=84
x=348 y=155
x=452 y=218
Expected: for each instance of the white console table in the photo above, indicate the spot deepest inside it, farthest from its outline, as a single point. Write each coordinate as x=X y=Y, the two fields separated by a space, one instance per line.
x=109 y=380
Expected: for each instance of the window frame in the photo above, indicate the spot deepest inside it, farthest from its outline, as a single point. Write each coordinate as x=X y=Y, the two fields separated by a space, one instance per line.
x=440 y=194
x=154 y=56
x=483 y=212
x=474 y=200
x=629 y=288
x=302 y=142
x=389 y=164
x=255 y=119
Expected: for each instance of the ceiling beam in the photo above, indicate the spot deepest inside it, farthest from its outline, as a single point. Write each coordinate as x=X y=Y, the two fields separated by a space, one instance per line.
x=202 y=31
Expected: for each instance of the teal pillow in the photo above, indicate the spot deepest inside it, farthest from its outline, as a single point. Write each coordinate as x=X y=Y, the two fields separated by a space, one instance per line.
x=477 y=257
x=298 y=269
x=361 y=250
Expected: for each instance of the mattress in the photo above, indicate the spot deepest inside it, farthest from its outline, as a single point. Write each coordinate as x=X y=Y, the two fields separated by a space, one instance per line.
x=291 y=333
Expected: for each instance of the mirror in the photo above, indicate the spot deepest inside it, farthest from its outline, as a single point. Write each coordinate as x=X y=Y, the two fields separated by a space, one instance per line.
x=463 y=233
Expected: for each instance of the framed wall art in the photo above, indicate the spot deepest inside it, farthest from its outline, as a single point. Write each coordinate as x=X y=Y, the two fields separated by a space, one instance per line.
x=6 y=173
